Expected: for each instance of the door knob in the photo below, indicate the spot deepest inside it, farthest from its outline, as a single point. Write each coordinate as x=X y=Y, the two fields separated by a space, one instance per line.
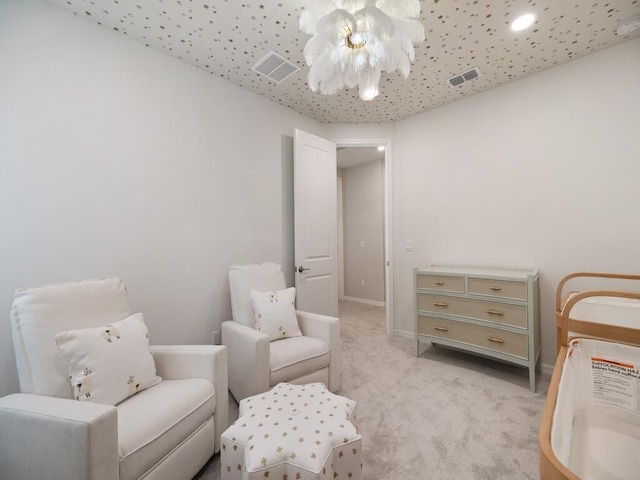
x=302 y=269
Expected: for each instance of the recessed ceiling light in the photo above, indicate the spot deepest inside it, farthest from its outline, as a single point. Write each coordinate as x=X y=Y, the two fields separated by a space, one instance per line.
x=381 y=148
x=628 y=26
x=522 y=22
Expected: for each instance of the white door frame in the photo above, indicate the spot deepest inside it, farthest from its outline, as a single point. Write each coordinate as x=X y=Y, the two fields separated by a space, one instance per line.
x=388 y=230
x=340 y=243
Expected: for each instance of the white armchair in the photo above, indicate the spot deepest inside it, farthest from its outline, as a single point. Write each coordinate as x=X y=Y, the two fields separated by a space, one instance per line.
x=168 y=431
x=255 y=363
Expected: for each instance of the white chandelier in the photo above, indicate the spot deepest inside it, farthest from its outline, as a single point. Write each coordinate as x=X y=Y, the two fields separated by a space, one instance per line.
x=354 y=41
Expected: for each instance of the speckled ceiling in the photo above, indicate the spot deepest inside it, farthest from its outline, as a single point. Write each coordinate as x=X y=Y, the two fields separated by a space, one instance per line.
x=227 y=37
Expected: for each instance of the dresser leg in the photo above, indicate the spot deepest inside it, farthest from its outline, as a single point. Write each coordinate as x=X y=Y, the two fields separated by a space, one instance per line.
x=532 y=378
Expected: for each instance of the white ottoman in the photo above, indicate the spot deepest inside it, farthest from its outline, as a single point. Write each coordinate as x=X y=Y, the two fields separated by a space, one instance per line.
x=293 y=432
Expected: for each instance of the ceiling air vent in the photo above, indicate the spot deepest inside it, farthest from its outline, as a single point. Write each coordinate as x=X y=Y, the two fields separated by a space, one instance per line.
x=275 y=67
x=463 y=77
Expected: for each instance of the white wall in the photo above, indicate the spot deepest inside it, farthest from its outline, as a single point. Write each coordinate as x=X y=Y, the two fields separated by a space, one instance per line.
x=116 y=159
x=363 y=219
x=542 y=172
x=343 y=134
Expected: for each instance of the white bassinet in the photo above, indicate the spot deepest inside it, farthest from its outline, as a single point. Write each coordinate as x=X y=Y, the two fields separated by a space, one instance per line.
x=590 y=426
x=596 y=421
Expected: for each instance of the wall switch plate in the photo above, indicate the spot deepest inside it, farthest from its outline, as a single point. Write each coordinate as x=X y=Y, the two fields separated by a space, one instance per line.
x=215 y=337
x=362 y=283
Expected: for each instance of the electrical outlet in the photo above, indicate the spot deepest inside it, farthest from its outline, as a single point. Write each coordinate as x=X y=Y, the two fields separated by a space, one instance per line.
x=362 y=283
x=408 y=245
x=215 y=337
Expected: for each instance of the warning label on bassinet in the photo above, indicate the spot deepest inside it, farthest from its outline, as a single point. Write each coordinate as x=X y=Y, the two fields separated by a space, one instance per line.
x=615 y=384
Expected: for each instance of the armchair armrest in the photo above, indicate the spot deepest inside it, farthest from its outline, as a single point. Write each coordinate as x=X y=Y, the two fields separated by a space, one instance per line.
x=248 y=359
x=49 y=437
x=328 y=329
x=198 y=361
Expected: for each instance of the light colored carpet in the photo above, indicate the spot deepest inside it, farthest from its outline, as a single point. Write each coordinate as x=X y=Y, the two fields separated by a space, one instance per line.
x=442 y=415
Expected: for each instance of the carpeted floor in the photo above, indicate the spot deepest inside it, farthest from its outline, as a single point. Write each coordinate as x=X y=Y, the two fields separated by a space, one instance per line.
x=442 y=415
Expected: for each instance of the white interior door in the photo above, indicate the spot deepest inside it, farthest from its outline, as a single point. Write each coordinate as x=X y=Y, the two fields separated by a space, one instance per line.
x=315 y=218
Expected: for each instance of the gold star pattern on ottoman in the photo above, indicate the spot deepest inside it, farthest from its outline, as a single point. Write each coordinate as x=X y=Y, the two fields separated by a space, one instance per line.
x=293 y=432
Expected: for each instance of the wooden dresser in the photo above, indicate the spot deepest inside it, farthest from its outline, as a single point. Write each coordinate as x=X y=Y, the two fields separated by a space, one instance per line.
x=487 y=311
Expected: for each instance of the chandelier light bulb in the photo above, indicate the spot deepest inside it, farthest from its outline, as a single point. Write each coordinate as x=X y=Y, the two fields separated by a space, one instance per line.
x=350 y=46
x=356 y=38
x=369 y=93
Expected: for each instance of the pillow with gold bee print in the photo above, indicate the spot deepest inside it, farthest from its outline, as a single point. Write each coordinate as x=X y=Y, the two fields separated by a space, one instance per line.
x=275 y=313
x=109 y=364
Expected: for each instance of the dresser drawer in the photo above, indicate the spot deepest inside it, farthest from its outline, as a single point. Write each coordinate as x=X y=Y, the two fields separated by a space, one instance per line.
x=505 y=313
x=498 y=288
x=490 y=338
x=445 y=283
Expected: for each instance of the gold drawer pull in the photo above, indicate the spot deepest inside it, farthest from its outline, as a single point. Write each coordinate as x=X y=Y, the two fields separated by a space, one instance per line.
x=441 y=329
x=440 y=304
x=495 y=312
x=439 y=283
x=494 y=339
x=495 y=289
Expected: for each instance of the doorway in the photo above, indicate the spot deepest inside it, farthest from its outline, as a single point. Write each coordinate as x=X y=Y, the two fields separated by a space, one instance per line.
x=288 y=260
x=364 y=230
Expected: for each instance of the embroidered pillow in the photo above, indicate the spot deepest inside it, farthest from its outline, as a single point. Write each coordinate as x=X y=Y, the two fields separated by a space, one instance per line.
x=275 y=313
x=108 y=364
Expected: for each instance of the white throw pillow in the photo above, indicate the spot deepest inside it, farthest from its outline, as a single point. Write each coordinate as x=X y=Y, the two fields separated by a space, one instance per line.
x=275 y=313
x=108 y=364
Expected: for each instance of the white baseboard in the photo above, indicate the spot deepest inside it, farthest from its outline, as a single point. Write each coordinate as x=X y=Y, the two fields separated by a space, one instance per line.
x=403 y=333
x=546 y=368
x=375 y=303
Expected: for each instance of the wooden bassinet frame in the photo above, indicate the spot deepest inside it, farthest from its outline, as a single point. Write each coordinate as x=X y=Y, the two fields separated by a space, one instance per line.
x=550 y=466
